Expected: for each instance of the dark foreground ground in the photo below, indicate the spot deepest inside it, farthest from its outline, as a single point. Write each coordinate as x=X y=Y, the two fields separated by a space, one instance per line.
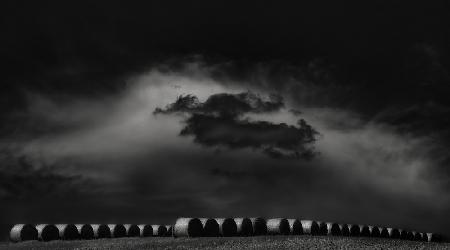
x=263 y=242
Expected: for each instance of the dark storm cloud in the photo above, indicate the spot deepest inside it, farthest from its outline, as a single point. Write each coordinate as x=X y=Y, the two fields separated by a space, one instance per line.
x=218 y=122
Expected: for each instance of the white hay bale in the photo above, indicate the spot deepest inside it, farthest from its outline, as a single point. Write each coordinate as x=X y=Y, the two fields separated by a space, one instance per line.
x=85 y=231
x=159 y=230
x=374 y=231
x=132 y=230
x=364 y=231
x=259 y=226
x=101 y=231
x=355 y=230
x=244 y=226
x=345 y=231
x=188 y=227
x=210 y=227
x=68 y=232
x=394 y=233
x=145 y=230
x=227 y=227
x=333 y=229
x=310 y=227
x=295 y=226
x=278 y=226
x=47 y=232
x=23 y=232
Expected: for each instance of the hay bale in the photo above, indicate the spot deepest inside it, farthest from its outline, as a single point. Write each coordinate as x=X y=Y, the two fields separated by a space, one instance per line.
x=47 y=232
x=310 y=227
x=424 y=237
x=145 y=230
x=159 y=230
x=117 y=230
x=244 y=226
x=333 y=229
x=409 y=235
x=132 y=230
x=323 y=230
x=278 y=226
x=101 y=231
x=85 y=231
x=345 y=231
x=417 y=236
x=355 y=230
x=374 y=231
x=68 y=232
x=364 y=231
x=394 y=233
x=259 y=226
x=210 y=227
x=384 y=233
x=227 y=227
x=403 y=234
x=23 y=232
x=169 y=230
x=432 y=237
x=295 y=226
x=188 y=227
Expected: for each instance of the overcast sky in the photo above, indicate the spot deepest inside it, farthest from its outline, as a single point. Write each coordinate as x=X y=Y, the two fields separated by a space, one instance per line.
x=113 y=112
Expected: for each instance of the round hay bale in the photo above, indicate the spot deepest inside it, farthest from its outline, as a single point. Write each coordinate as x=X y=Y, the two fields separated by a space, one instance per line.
x=333 y=229
x=417 y=236
x=227 y=227
x=23 y=232
x=169 y=230
x=68 y=232
x=132 y=230
x=278 y=226
x=101 y=231
x=409 y=235
x=364 y=231
x=323 y=230
x=403 y=234
x=244 y=226
x=159 y=230
x=394 y=233
x=210 y=227
x=345 y=231
x=310 y=227
x=295 y=226
x=117 y=230
x=424 y=237
x=355 y=230
x=145 y=230
x=259 y=226
x=188 y=227
x=85 y=231
x=47 y=232
x=384 y=233
x=374 y=231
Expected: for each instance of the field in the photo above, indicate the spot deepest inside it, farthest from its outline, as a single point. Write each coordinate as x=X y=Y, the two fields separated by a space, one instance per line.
x=262 y=242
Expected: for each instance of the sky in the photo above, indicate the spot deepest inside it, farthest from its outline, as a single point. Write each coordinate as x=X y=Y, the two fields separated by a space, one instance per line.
x=141 y=113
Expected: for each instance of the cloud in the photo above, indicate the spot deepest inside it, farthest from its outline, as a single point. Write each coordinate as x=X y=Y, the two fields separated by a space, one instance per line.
x=218 y=122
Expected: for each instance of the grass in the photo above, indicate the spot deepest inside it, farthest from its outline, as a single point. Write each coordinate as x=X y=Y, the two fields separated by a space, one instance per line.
x=260 y=242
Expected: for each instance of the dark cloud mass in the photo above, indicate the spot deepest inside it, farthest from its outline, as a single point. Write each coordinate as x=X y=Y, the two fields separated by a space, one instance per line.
x=219 y=122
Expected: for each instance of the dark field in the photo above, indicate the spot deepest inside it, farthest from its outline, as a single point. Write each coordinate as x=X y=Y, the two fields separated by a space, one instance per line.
x=263 y=242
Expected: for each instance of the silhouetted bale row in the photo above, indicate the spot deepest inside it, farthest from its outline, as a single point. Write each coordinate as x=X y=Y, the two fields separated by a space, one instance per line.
x=259 y=226
x=145 y=230
x=132 y=230
x=374 y=231
x=345 y=231
x=68 y=232
x=23 y=232
x=310 y=227
x=227 y=227
x=47 y=232
x=278 y=226
x=169 y=230
x=159 y=230
x=85 y=231
x=210 y=227
x=188 y=227
x=333 y=229
x=101 y=231
x=244 y=226
x=117 y=230
x=295 y=227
